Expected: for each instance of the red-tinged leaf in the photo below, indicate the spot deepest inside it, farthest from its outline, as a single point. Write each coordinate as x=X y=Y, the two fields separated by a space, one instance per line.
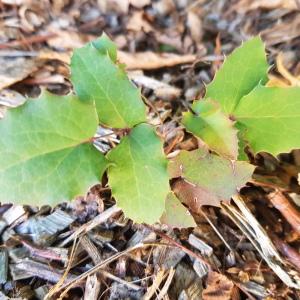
x=210 y=178
x=193 y=196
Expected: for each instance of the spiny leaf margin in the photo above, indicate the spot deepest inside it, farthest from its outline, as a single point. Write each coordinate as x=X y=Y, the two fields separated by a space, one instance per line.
x=240 y=73
x=214 y=128
x=97 y=77
x=45 y=157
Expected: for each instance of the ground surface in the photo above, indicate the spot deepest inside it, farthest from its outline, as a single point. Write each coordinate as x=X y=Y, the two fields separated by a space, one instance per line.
x=86 y=249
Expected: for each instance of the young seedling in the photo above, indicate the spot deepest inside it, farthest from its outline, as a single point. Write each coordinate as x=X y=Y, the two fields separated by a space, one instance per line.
x=47 y=153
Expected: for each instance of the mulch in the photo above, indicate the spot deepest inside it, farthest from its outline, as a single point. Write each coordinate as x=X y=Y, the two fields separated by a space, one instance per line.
x=87 y=249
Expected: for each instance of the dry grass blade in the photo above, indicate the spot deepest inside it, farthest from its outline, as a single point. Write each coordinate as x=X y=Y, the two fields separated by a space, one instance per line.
x=66 y=287
x=93 y=252
x=57 y=287
x=166 y=286
x=155 y=285
x=248 y=224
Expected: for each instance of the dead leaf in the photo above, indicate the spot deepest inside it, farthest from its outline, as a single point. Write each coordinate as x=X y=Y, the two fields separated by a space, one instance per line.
x=15 y=70
x=9 y=98
x=149 y=60
x=294 y=81
x=287 y=78
x=64 y=57
x=276 y=81
x=139 y=3
x=193 y=196
x=13 y=2
x=134 y=61
x=247 y=5
x=164 y=7
x=195 y=25
x=282 y=32
x=287 y=208
x=30 y=20
x=161 y=89
x=138 y=23
x=118 y=6
x=65 y=39
x=218 y=287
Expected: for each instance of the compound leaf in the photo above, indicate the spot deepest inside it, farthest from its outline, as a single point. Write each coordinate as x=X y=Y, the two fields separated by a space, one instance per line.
x=240 y=73
x=270 y=119
x=44 y=157
x=176 y=215
x=214 y=128
x=96 y=76
x=213 y=177
x=138 y=175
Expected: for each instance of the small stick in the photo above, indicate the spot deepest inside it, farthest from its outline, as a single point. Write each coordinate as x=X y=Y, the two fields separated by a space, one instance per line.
x=166 y=286
x=31 y=40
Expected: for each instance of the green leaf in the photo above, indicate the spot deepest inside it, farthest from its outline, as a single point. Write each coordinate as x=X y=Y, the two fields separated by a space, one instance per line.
x=106 y=46
x=243 y=144
x=176 y=214
x=96 y=77
x=44 y=154
x=214 y=128
x=270 y=117
x=214 y=177
x=240 y=73
x=138 y=175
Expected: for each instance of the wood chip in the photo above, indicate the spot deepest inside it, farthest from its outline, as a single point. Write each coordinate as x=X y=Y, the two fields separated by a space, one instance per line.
x=167 y=257
x=92 y=288
x=44 y=229
x=200 y=245
x=13 y=214
x=28 y=268
x=3 y=266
